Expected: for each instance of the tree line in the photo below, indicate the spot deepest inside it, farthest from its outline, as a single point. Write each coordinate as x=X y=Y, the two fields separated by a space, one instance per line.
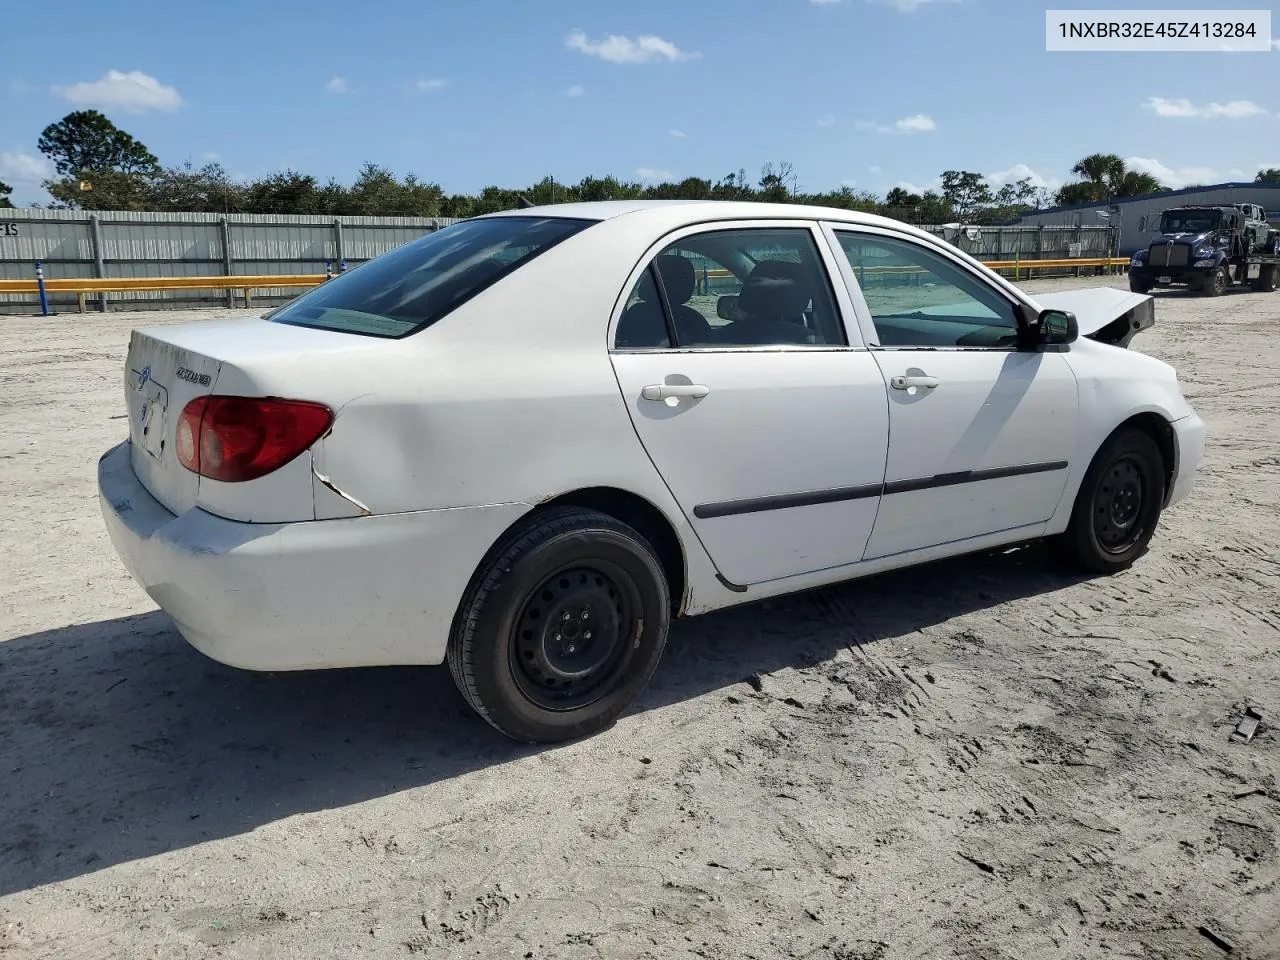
x=98 y=166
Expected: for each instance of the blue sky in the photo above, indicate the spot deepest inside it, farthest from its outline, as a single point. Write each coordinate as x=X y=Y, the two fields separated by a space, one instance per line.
x=873 y=93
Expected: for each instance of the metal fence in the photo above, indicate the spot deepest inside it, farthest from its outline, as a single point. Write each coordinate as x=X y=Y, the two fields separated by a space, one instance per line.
x=75 y=244
x=1030 y=242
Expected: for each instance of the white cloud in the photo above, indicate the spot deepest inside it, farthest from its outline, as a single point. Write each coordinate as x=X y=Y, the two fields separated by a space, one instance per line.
x=909 y=6
x=337 y=85
x=132 y=92
x=576 y=90
x=849 y=183
x=677 y=133
x=935 y=185
x=1020 y=171
x=1172 y=177
x=1232 y=110
x=426 y=85
x=873 y=170
x=618 y=49
x=18 y=169
x=919 y=123
x=18 y=88
x=648 y=173
x=827 y=120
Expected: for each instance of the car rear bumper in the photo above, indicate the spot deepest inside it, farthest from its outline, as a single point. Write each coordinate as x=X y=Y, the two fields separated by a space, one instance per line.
x=1189 y=435
x=363 y=591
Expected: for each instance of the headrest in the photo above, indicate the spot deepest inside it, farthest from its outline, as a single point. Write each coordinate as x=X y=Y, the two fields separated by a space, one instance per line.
x=677 y=276
x=642 y=325
x=775 y=289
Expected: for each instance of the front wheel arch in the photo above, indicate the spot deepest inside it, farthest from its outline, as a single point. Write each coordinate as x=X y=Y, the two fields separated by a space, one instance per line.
x=1122 y=494
x=1161 y=431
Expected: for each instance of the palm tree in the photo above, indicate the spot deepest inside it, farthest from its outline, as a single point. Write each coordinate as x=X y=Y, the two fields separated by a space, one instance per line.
x=1135 y=184
x=1103 y=176
x=1100 y=170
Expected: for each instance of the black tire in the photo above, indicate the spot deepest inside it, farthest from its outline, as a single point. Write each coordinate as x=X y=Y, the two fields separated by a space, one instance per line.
x=600 y=579
x=1216 y=284
x=1138 y=286
x=1118 y=505
x=1265 y=282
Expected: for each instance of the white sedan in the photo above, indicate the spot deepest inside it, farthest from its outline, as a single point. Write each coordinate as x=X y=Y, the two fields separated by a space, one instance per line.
x=523 y=443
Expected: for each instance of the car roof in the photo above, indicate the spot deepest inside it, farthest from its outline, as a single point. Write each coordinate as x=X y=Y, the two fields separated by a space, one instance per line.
x=699 y=211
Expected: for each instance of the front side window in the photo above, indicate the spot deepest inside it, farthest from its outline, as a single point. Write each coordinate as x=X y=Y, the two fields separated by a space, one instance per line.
x=733 y=288
x=413 y=286
x=918 y=298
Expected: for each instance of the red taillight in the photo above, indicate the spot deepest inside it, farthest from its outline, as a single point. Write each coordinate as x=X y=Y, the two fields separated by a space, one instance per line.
x=242 y=438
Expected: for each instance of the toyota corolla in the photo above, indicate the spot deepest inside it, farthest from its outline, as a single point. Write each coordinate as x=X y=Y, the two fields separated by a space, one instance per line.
x=524 y=443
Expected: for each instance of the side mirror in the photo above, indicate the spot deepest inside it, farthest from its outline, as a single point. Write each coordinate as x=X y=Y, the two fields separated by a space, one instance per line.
x=727 y=308
x=1058 y=326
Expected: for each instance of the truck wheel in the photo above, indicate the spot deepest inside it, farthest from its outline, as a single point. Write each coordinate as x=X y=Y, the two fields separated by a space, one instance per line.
x=1118 y=504
x=1138 y=286
x=1216 y=284
x=561 y=627
x=1266 y=279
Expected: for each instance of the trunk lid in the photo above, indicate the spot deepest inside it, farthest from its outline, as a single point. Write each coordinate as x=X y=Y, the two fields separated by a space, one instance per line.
x=169 y=366
x=160 y=379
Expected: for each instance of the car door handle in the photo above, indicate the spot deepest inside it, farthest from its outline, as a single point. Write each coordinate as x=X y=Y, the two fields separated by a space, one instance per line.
x=906 y=383
x=661 y=391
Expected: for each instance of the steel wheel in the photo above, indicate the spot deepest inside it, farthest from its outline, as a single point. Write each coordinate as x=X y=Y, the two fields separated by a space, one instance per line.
x=570 y=639
x=1117 y=506
x=561 y=626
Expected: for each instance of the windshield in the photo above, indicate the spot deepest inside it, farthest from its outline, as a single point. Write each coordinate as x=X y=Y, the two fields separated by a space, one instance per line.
x=414 y=285
x=1189 y=221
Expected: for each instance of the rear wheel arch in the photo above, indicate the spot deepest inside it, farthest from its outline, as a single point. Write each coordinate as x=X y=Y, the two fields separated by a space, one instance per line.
x=630 y=508
x=646 y=519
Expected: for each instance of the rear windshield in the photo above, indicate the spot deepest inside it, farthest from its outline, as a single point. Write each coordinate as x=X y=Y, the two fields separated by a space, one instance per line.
x=415 y=285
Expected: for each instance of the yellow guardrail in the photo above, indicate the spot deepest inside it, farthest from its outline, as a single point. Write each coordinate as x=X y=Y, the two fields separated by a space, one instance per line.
x=1016 y=265
x=84 y=286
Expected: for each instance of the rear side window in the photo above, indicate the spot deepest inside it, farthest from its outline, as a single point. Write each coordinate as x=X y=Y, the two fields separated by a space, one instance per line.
x=725 y=289
x=413 y=286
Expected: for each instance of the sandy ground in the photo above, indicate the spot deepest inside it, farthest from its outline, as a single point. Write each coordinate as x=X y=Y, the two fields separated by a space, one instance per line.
x=981 y=759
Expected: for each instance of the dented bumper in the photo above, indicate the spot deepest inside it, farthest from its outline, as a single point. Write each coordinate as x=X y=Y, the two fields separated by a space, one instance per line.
x=1189 y=438
x=362 y=591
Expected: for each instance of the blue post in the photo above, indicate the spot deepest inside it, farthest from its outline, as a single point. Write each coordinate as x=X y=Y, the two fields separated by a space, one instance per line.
x=44 y=297
x=342 y=265
x=328 y=269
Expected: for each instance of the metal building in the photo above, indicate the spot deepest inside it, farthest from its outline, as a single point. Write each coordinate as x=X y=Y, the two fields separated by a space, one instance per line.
x=1135 y=217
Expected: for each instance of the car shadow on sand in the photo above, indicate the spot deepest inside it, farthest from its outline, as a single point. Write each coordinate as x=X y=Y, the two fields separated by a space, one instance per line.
x=118 y=741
